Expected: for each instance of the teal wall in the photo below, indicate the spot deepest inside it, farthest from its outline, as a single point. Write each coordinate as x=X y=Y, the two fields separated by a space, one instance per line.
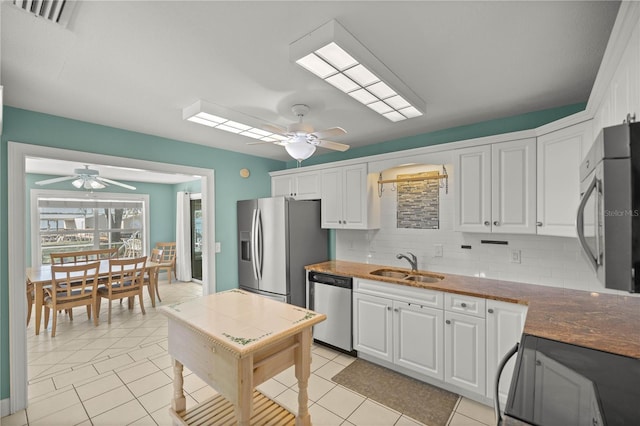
x=514 y=123
x=47 y=130
x=162 y=202
x=41 y=129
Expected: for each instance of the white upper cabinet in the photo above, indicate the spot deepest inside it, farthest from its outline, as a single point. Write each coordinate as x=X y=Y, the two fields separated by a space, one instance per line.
x=349 y=198
x=559 y=157
x=496 y=188
x=301 y=186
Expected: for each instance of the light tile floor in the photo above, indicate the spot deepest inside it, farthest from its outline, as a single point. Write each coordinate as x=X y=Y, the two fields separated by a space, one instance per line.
x=120 y=374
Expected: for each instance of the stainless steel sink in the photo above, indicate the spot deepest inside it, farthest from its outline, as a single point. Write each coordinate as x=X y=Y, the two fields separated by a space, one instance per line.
x=390 y=273
x=402 y=275
x=425 y=278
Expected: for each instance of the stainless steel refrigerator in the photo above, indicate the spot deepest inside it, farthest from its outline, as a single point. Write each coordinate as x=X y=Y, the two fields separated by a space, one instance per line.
x=277 y=237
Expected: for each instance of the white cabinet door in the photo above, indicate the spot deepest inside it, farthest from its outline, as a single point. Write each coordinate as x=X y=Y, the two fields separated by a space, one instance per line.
x=513 y=191
x=331 y=205
x=282 y=186
x=347 y=198
x=307 y=186
x=505 y=322
x=464 y=352
x=559 y=157
x=372 y=332
x=473 y=189
x=300 y=186
x=418 y=338
x=354 y=196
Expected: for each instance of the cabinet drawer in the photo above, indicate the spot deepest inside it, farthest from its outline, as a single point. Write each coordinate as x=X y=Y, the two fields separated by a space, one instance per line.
x=402 y=293
x=465 y=304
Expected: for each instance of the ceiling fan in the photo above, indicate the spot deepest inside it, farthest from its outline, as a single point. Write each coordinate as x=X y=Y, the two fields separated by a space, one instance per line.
x=300 y=139
x=86 y=178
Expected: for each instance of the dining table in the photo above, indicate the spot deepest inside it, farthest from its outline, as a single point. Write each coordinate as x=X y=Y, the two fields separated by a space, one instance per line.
x=40 y=277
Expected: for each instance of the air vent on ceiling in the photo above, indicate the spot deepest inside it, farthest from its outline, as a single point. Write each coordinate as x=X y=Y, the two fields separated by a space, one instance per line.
x=57 y=11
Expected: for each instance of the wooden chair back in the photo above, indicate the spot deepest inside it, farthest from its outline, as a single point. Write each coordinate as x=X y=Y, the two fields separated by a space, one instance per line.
x=168 y=258
x=73 y=282
x=156 y=255
x=126 y=275
x=83 y=256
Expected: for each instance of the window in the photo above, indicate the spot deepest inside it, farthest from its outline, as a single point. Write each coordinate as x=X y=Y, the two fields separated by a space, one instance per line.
x=65 y=221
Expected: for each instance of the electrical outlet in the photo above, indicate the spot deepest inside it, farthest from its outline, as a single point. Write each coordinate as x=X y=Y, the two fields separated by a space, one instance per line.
x=437 y=248
x=514 y=256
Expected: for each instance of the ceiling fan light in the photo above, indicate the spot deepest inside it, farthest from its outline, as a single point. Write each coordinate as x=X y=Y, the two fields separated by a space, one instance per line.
x=316 y=65
x=336 y=56
x=300 y=150
x=78 y=183
x=94 y=184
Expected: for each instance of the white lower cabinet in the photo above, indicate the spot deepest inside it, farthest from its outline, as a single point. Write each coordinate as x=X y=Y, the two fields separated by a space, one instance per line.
x=464 y=351
x=457 y=339
x=505 y=322
x=418 y=338
x=372 y=332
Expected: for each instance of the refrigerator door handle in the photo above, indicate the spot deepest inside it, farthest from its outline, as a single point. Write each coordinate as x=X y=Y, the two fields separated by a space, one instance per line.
x=496 y=387
x=254 y=235
x=259 y=237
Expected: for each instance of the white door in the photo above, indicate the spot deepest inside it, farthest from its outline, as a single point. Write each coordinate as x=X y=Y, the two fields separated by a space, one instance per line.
x=331 y=206
x=473 y=189
x=513 y=189
x=418 y=338
x=464 y=352
x=355 y=196
x=558 y=190
x=505 y=322
x=372 y=325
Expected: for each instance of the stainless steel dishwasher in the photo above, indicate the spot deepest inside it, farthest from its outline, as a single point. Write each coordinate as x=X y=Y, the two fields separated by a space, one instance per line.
x=331 y=295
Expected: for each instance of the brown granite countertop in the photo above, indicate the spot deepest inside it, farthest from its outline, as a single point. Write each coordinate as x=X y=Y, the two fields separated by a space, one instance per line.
x=603 y=321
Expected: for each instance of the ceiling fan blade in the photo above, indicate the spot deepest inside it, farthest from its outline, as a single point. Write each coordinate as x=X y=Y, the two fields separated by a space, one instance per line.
x=113 y=182
x=334 y=145
x=274 y=129
x=54 y=180
x=330 y=133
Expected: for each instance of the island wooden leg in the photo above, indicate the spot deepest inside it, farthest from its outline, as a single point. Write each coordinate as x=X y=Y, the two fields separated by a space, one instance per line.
x=178 y=402
x=244 y=406
x=303 y=371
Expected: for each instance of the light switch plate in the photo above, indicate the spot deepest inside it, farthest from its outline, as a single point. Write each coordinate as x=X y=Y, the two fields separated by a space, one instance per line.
x=217 y=247
x=514 y=256
x=437 y=250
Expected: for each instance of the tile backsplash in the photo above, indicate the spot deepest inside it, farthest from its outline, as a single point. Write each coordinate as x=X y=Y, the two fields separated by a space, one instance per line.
x=544 y=260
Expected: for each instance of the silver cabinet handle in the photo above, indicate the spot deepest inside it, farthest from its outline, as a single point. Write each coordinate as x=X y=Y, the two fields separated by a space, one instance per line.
x=496 y=223
x=464 y=305
x=395 y=310
x=490 y=311
x=538 y=223
x=487 y=223
x=448 y=321
x=388 y=308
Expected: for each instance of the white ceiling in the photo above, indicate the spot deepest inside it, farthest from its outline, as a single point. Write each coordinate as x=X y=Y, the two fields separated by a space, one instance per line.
x=134 y=65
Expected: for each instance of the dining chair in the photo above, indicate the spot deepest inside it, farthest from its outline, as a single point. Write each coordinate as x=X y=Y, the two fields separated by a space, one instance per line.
x=125 y=280
x=71 y=286
x=168 y=258
x=30 y=290
x=151 y=277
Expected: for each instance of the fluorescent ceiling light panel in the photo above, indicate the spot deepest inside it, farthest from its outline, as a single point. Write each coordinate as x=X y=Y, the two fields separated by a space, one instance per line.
x=220 y=118
x=333 y=54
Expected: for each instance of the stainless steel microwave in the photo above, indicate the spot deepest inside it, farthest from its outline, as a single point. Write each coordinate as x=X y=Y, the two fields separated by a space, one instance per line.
x=608 y=219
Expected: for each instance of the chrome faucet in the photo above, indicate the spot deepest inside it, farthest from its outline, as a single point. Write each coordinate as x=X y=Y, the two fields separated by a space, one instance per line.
x=413 y=261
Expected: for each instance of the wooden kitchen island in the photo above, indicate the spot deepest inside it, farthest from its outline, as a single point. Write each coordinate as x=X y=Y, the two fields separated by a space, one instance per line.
x=235 y=340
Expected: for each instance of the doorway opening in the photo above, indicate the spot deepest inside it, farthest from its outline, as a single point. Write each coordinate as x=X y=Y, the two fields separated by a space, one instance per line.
x=195 y=205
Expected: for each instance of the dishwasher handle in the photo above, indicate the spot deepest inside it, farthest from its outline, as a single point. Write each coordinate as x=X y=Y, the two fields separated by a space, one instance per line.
x=328 y=279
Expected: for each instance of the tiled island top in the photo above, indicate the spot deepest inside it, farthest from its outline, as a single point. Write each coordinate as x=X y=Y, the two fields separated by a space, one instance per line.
x=607 y=322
